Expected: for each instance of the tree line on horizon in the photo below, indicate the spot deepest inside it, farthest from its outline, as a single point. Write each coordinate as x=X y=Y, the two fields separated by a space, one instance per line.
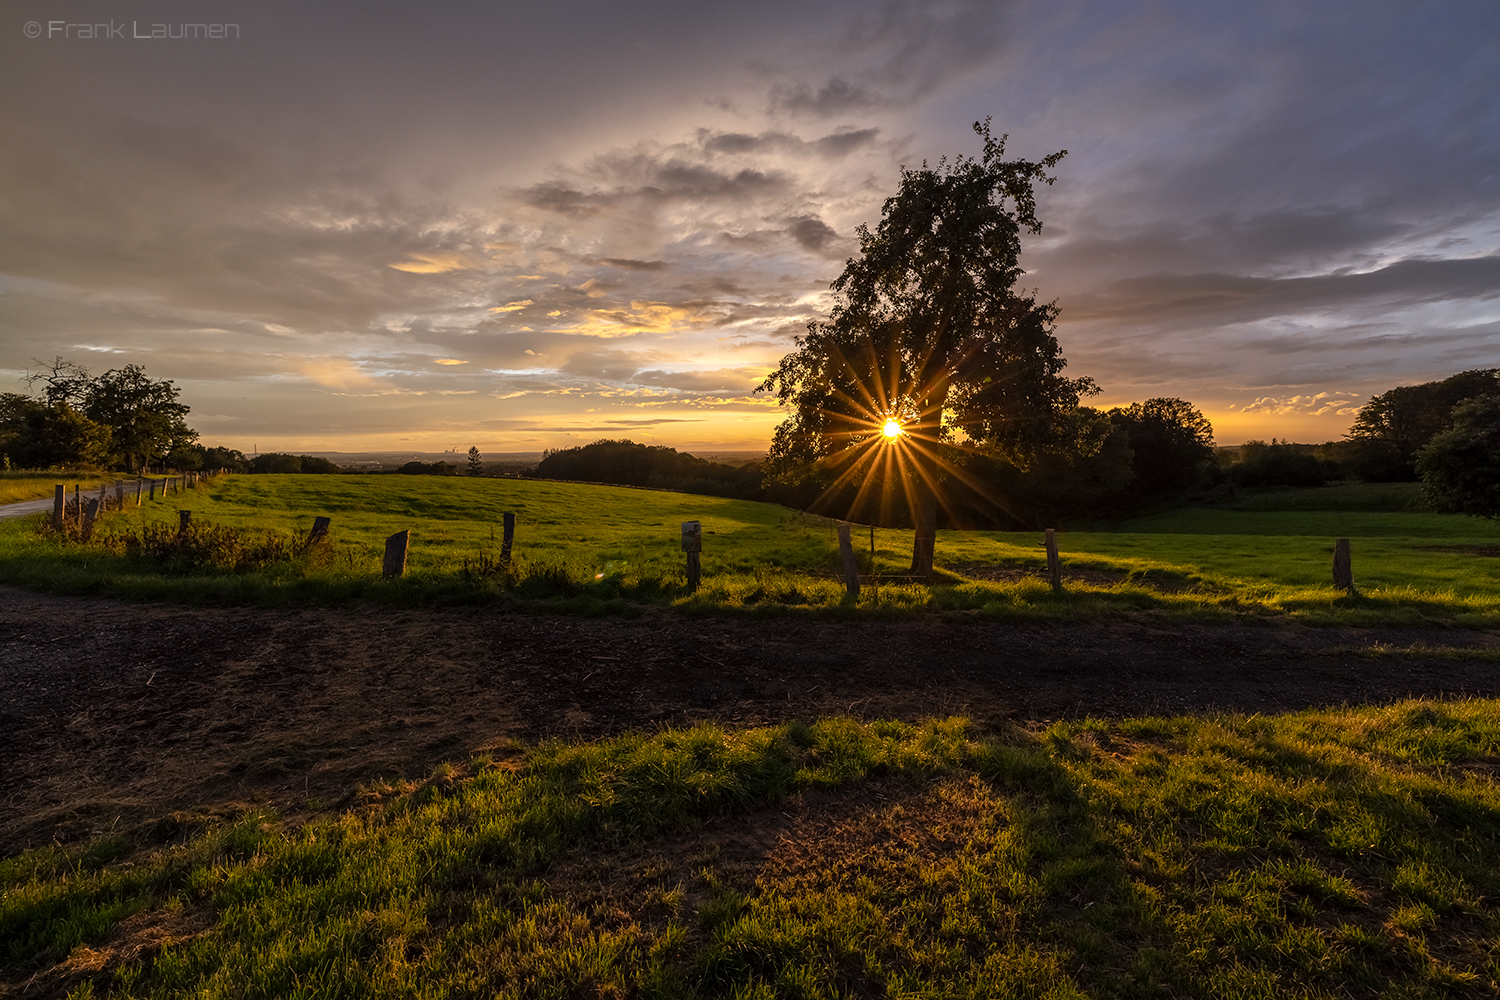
x=1114 y=463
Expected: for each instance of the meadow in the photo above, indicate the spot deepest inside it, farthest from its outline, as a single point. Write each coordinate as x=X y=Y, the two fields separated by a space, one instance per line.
x=1317 y=854
x=595 y=548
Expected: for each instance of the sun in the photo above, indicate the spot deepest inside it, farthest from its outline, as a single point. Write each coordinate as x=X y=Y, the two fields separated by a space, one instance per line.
x=892 y=428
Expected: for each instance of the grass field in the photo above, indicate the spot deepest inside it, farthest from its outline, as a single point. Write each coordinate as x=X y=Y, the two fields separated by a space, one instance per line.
x=1319 y=854
x=595 y=547
x=18 y=486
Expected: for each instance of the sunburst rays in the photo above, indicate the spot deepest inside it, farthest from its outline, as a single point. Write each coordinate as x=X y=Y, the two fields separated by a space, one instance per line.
x=885 y=426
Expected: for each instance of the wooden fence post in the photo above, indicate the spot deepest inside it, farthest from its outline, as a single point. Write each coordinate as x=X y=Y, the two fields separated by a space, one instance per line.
x=59 y=502
x=1343 y=569
x=319 y=530
x=510 y=536
x=846 y=553
x=1054 y=564
x=692 y=544
x=153 y=490
x=89 y=518
x=139 y=482
x=77 y=505
x=395 y=554
x=184 y=517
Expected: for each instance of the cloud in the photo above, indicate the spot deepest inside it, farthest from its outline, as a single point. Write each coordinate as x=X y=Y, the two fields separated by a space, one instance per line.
x=834 y=98
x=811 y=233
x=1228 y=298
x=1343 y=404
x=434 y=263
x=448 y=361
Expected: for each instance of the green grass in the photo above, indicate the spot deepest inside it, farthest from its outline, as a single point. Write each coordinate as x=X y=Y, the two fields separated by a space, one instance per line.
x=16 y=486
x=1317 y=854
x=592 y=548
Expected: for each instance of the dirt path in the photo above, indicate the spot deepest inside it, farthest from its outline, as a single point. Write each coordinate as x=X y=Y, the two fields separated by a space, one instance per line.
x=117 y=715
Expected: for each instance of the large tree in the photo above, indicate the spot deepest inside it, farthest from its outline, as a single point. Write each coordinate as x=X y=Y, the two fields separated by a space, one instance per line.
x=929 y=345
x=144 y=417
x=1171 y=439
x=1393 y=426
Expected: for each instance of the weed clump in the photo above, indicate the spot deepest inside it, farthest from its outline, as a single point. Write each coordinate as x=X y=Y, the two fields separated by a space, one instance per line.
x=201 y=546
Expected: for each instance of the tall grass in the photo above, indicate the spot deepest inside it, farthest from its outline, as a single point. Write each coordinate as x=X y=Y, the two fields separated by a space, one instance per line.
x=1312 y=855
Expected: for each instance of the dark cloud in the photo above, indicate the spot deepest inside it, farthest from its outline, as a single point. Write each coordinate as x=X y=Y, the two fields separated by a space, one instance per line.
x=636 y=265
x=1224 y=298
x=811 y=233
x=834 y=98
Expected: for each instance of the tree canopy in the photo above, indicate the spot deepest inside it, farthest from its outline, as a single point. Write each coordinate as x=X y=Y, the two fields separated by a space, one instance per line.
x=1394 y=426
x=929 y=344
x=1171 y=438
x=1460 y=466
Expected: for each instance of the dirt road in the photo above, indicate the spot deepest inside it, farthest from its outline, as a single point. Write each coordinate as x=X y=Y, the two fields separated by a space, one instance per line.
x=118 y=716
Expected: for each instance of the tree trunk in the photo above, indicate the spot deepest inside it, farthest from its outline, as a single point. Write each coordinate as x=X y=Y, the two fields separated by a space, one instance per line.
x=924 y=518
x=927 y=437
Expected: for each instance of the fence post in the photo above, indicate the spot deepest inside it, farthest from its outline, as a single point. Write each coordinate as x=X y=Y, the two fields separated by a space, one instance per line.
x=846 y=552
x=183 y=518
x=1343 y=569
x=319 y=530
x=395 y=554
x=59 y=502
x=89 y=518
x=510 y=536
x=153 y=490
x=139 y=482
x=1054 y=564
x=692 y=544
x=77 y=505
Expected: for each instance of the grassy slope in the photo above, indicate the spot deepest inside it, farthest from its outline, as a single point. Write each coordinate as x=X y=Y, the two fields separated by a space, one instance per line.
x=1319 y=854
x=599 y=543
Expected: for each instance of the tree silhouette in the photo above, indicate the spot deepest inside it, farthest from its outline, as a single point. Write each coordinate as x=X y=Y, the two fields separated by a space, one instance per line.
x=476 y=467
x=1460 y=466
x=929 y=345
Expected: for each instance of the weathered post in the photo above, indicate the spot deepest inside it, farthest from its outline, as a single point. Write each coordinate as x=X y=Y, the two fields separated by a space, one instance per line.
x=184 y=518
x=89 y=518
x=319 y=530
x=77 y=505
x=139 y=482
x=395 y=554
x=1054 y=565
x=119 y=494
x=692 y=544
x=153 y=490
x=509 y=537
x=846 y=552
x=1343 y=569
x=59 y=502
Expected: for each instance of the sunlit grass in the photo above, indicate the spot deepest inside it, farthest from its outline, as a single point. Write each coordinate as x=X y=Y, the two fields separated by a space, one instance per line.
x=1308 y=855
x=16 y=486
x=592 y=547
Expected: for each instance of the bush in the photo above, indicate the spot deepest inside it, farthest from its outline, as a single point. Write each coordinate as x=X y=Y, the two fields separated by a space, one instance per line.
x=428 y=469
x=1280 y=464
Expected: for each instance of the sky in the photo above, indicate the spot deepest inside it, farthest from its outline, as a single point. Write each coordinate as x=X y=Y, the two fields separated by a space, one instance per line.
x=379 y=226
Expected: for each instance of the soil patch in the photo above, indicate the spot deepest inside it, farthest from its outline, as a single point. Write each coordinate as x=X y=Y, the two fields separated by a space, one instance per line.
x=147 y=719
